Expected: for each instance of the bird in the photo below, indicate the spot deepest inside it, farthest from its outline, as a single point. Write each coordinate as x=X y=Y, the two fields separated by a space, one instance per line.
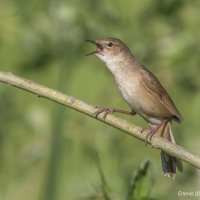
x=143 y=92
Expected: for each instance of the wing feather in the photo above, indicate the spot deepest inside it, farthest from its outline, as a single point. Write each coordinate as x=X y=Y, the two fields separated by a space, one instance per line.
x=152 y=84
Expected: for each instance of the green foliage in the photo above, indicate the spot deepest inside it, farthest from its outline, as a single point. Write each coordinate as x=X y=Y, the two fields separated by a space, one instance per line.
x=140 y=184
x=45 y=148
x=139 y=187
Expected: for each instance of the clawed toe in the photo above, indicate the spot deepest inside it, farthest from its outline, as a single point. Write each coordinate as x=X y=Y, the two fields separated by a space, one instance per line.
x=142 y=130
x=106 y=111
x=149 y=136
x=153 y=130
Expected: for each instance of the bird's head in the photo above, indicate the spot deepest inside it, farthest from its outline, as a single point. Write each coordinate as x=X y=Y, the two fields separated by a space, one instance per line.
x=110 y=50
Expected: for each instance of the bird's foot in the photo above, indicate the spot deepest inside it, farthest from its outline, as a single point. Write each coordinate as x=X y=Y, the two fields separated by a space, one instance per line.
x=106 y=111
x=112 y=110
x=153 y=130
x=150 y=134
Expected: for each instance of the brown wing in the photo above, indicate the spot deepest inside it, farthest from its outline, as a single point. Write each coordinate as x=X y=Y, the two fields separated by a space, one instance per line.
x=152 y=84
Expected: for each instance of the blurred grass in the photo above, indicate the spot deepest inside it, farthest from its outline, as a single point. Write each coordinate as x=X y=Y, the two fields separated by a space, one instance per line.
x=45 y=148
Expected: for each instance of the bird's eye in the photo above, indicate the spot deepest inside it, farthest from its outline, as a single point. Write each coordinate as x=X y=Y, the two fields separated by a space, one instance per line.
x=110 y=44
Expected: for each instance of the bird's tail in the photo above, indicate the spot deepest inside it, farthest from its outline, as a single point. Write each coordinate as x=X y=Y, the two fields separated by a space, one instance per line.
x=170 y=163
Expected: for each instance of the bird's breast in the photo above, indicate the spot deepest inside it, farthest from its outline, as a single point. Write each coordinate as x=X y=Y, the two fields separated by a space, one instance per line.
x=129 y=88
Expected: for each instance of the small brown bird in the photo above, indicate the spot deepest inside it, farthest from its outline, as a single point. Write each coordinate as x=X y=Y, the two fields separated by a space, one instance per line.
x=143 y=92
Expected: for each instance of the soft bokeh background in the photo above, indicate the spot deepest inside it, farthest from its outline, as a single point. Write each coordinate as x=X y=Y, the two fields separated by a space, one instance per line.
x=46 y=150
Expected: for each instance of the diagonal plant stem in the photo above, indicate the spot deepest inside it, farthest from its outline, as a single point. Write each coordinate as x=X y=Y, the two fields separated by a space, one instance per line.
x=78 y=105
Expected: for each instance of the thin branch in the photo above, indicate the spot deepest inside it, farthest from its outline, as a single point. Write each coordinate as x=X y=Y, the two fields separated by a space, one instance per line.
x=78 y=105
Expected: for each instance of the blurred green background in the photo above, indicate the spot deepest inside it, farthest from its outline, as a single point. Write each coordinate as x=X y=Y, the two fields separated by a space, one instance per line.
x=50 y=152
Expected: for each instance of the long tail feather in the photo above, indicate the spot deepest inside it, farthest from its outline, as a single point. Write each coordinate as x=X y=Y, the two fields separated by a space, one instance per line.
x=170 y=163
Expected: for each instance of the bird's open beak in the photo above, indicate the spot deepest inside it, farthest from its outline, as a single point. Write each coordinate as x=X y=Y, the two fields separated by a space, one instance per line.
x=99 y=47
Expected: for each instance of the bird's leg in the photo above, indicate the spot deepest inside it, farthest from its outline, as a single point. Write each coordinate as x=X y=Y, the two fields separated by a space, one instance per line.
x=107 y=111
x=153 y=130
